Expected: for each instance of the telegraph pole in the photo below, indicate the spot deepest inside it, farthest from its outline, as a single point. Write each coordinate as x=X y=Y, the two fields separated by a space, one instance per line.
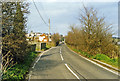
x=49 y=29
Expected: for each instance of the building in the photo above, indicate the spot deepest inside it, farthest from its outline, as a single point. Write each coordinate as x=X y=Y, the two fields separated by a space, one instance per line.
x=38 y=37
x=43 y=38
x=118 y=43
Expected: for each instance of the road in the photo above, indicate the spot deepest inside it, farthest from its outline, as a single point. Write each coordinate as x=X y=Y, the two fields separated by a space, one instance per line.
x=61 y=63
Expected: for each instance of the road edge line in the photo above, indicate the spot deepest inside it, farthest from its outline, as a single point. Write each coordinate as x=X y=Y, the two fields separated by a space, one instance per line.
x=117 y=73
x=35 y=62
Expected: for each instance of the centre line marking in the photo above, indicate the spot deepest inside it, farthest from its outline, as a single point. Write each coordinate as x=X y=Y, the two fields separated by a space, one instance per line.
x=72 y=72
x=60 y=50
x=61 y=57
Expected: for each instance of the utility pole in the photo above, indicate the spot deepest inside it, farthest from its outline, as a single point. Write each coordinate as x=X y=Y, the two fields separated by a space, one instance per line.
x=49 y=29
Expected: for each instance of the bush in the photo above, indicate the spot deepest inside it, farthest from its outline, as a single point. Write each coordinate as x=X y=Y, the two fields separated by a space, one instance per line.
x=18 y=71
x=101 y=57
x=55 y=39
x=83 y=53
x=106 y=59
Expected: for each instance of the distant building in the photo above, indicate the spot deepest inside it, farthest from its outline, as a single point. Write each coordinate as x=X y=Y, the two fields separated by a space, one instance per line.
x=116 y=40
x=39 y=37
x=118 y=43
x=43 y=38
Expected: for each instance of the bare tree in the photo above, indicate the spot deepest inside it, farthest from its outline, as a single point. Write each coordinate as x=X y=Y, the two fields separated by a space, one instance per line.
x=94 y=36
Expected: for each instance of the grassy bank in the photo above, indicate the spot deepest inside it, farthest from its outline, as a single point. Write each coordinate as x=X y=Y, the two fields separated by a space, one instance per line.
x=101 y=57
x=19 y=71
x=106 y=59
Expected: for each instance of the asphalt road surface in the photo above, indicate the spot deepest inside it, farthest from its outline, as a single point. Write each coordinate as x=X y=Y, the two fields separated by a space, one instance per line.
x=61 y=63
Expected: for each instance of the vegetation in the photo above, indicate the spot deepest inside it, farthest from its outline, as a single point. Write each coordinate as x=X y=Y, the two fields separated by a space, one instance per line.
x=55 y=39
x=14 y=44
x=93 y=37
x=106 y=59
x=100 y=57
x=48 y=45
x=61 y=38
x=18 y=72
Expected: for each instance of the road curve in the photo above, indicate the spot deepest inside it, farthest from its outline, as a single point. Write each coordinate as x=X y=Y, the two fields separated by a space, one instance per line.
x=61 y=63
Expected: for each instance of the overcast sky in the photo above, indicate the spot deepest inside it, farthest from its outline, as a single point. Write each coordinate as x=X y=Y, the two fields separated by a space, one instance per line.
x=63 y=14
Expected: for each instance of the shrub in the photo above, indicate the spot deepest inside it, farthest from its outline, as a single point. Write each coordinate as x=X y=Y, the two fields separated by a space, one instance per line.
x=101 y=57
x=55 y=39
x=106 y=59
x=18 y=71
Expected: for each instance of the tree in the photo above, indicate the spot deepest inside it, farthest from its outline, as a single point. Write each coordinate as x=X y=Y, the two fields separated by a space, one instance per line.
x=7 y=21
x=13 y=33
x=19 y=33
x=55 y=38
x=94 y=36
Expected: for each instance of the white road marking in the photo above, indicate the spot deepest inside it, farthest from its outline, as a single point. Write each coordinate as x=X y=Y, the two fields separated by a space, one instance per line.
x=60 y=50
x=61 y=57
x=72 y=72
x=29 y=77
x=101 y=66
x=96 y=63
x=106 y=64
x=38 y=60
x=40 y=57
x=68 y=67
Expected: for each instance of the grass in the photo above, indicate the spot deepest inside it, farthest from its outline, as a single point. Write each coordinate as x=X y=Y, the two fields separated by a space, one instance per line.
x=83 y=53
x=101 y=57
x=48 y=46
x=19 y=71
x=106 y=59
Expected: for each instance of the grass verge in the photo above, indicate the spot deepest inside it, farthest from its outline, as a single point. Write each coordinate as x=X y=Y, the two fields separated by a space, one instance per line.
x=108 y=60
x=19 y=71
x=101 y=57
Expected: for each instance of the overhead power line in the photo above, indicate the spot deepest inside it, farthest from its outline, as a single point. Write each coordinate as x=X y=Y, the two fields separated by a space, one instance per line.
x=40 y=14
x=43 y=10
